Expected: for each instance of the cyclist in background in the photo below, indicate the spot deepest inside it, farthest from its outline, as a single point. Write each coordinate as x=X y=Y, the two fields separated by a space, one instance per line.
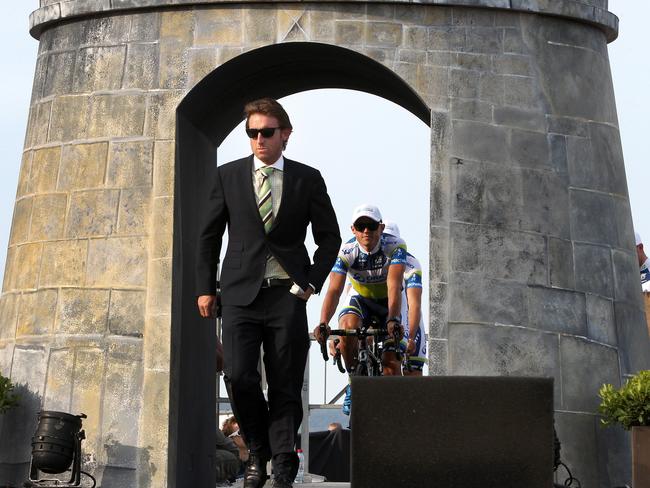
x=374 y=264
x=414 y=341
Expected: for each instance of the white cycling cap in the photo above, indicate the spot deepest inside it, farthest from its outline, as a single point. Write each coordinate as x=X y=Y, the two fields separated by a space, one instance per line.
x=391 y=228
x=366 y=210
x=637 y=237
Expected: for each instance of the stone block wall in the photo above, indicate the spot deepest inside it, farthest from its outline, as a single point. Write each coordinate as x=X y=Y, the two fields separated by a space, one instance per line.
x=532 y=261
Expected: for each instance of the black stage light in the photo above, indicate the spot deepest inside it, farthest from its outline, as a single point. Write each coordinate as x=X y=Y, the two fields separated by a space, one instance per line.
x=56 y=446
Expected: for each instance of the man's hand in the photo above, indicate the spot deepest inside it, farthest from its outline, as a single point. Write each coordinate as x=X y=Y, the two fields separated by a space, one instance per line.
x=317 y=333
x=410 y=348
x=394 y=327
x=333 y=348
x=305 y=294
x=207 y=306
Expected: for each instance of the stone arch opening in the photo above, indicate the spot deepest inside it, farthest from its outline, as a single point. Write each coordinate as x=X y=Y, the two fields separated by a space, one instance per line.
x=204 y=118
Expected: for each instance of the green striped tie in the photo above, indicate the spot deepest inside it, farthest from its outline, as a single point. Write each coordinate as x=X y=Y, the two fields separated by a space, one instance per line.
x=265 y=204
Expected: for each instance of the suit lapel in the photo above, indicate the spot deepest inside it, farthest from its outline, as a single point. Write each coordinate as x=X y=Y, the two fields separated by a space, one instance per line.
x=249 y=194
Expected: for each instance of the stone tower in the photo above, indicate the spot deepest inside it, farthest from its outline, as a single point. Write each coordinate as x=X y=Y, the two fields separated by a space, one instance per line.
x=532 y=252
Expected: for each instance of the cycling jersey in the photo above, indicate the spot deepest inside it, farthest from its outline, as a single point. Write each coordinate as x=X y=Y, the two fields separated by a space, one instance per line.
x=413 y=279
x=368 y=271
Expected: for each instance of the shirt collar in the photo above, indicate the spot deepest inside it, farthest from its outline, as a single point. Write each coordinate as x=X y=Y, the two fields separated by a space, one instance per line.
x=279 y=164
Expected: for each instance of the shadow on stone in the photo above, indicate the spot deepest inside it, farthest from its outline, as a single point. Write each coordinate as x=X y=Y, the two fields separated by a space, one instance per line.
x=126 y=466
x=17 y=426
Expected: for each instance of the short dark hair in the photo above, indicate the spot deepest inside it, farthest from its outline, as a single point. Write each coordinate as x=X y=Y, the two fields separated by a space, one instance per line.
x=269 y=107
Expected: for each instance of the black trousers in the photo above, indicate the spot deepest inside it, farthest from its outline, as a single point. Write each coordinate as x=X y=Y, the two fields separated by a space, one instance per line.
x=277 y=321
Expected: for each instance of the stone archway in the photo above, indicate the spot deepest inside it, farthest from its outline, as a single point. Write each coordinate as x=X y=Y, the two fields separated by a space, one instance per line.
x=204 y=118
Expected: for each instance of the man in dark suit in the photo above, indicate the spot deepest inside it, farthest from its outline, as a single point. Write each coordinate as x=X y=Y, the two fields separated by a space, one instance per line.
x=267 y=202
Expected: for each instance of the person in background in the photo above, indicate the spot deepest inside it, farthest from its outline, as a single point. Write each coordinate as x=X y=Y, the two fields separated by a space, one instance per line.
x=644 y=263
x=414 y=341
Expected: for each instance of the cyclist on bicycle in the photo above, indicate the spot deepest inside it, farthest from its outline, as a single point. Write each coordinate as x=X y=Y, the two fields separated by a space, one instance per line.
x=374 y=264
x=414 y=341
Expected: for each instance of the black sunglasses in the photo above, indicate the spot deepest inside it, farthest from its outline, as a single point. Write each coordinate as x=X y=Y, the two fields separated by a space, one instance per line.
x=361 y=226
x=266 y=132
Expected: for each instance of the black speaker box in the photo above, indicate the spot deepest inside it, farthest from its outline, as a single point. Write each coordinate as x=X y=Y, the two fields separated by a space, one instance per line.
x=452 y=432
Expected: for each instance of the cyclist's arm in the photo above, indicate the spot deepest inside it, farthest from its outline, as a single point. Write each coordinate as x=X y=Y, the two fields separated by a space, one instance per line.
x=394 y=285
x=331 y=300
x=414 y=296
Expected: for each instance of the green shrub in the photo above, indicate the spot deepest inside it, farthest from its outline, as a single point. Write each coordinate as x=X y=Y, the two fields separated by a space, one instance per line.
x=628 y=405
x=8 y=398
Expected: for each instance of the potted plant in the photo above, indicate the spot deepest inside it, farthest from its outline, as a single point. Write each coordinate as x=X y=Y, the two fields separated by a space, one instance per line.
x=630 y=407
x=8 y=398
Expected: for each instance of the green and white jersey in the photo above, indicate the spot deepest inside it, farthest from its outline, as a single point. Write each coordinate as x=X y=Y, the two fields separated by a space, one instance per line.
x=367 y=272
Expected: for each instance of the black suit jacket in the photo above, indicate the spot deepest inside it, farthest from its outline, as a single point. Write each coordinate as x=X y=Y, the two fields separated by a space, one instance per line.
x=232 y=202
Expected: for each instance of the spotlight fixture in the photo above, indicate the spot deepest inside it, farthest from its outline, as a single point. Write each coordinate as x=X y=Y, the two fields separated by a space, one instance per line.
x=56 y=446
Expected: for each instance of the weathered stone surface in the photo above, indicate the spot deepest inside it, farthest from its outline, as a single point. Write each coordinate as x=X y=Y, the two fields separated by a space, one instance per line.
x=44 y=170
x=58 y=387
x=117 y=115
x=384 y=34
x=614 y=456
x=567 y=126
x=260 y=24
x=585 y=367
x=469 y=188
x=487 y=350
x=560 y=259
x=626 y=271
x=577 y=434
x=471 y=110
x=8 y=316
x=608 y=156
x=173 y=64
x=585 y=205
x=474 y=298
x=6 y=357
x=512 y=64
x=25 y=170
x=161 y=114
x=479 y=142
x=557 y=310
x=433 y=80
x=133 y=212
x=99 y=68
x=130 y=164
x=159 y=297
x=87 y=394
x=162 y=227
x=152 y=433
x=60 y=70
x=522 y=92
x=115 y=262
x=219 y=27
x=126 y=314
x=545 y=198
x=25 y=268
x=529 y=149
x=92 y=213
x=601 y=326
x=438 y=354
x=21 y=221
x=121 y=407
x=519 y=118
x=596 y=276
x=201 y=63
x=157 y=351
x=499 y=254
x=48 y=216
x=624 y=225
x=559 y=160
x=141 y=69
x=64 y=263
x=632 y=334
x=106 y=30
x=83 y=166
x=69 y=118
x=36 y=313
x=464 y=84
x=145 y=27
x=82 y=311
